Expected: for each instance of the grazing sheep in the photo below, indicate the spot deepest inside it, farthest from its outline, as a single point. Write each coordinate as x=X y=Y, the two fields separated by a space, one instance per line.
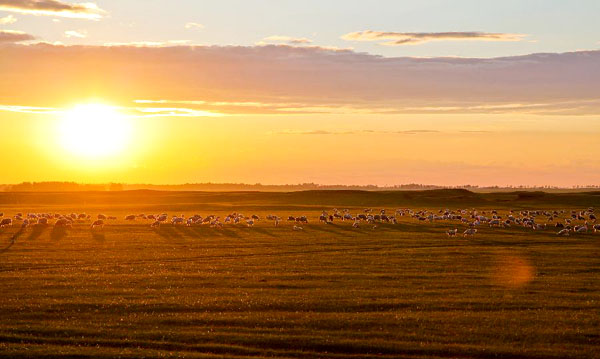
x=6 y=222
x=563 y=232
x=177 y=220
x=130 y=217
x=102 y=217
x=470 y=232
x=43 y=221
x=99 y=223
x=302 y=219
x=596 y=228
x=249 y=222
x=452 y=232
x=155 y=224
x=62 y=222
x=536 y=226
x=297 y=228
x=581 y=229
x=494 y=223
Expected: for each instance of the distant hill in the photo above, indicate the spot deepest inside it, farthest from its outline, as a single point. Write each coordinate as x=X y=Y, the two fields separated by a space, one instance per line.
x=192 y=200
x=56 y=186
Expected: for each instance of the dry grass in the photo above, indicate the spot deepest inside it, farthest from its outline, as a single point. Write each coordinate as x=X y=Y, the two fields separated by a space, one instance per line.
x=329 y=291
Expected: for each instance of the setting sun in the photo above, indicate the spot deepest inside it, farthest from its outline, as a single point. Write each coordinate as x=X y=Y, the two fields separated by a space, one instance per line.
x=94 y=130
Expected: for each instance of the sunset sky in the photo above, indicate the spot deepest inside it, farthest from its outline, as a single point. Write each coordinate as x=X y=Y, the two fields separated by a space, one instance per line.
x=332 y=92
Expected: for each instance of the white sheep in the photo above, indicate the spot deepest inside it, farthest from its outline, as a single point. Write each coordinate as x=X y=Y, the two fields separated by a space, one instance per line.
x=452 y=232
x=470 y=232
x=563 y=232
x=99 y=223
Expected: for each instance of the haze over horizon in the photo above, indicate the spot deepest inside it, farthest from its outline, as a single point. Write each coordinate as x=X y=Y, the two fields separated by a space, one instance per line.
x=338 y=92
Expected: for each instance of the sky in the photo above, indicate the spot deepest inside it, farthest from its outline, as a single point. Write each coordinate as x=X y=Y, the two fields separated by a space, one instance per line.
x=332 y=92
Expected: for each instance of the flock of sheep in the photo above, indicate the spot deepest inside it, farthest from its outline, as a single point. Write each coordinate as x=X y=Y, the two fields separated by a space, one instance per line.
x=566 y=222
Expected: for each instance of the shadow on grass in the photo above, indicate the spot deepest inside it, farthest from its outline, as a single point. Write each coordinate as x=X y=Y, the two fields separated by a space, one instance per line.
x=204 y=232
x=263 y=231
x=13 y=239
x=168 y=232
x=36 y=232
x=98 y=236
x=58 y=233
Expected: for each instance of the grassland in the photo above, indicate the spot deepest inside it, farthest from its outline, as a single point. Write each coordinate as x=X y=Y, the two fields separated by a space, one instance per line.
x=329 y=291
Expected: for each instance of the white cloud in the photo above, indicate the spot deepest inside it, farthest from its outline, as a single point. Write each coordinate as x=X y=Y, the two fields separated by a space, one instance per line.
x=194 y=25
x=80 y=34
x=414 y=38
x=283 y=79
x=7 y=20
x=286 y=39
x=86 y=10
x=11 y=36
x=168 y=43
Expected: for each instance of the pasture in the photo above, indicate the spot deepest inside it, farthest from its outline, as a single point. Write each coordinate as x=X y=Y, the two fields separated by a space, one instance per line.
x=327 y=291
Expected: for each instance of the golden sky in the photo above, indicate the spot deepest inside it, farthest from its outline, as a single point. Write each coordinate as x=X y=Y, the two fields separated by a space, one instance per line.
x=289 y=110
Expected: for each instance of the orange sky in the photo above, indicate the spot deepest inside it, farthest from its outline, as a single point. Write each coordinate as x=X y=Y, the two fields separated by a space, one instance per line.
x=296 y=112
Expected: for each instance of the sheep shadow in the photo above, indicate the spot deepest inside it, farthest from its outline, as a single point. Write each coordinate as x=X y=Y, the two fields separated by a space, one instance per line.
x=12 y=243
x=37 y=231
x=203 y=232
x=263 y=231
x=58 y=233
x=17 y=234
x=230 y=233
x=167 y=232
x=330 y=228
x=98 y=236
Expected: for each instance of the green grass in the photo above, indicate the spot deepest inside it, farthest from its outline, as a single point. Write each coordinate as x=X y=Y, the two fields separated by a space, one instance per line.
x=329 y=291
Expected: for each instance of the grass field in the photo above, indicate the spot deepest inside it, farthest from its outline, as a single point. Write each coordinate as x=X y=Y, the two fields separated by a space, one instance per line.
x=329 y=291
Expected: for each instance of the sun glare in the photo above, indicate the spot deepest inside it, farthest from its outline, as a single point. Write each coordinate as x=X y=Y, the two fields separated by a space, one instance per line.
x=94 y=131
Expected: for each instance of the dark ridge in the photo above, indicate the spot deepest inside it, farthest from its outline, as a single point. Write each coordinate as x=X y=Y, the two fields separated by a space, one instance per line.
x=448 y=198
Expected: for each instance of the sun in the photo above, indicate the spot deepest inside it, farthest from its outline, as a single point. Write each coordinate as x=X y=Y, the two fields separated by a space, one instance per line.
x=94 y=131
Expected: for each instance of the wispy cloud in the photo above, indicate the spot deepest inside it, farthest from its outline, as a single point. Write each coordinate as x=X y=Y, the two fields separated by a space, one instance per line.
x=173 y=112
x=7 y=20
x=168 y=43
x=414 y=38
x=10 y=36
x=350 y=132
x=194 y=25
x=279 y=39
x=76 y=33
x=28 y=109
x=87 y=10
x=286 y=79
x=138 y=112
